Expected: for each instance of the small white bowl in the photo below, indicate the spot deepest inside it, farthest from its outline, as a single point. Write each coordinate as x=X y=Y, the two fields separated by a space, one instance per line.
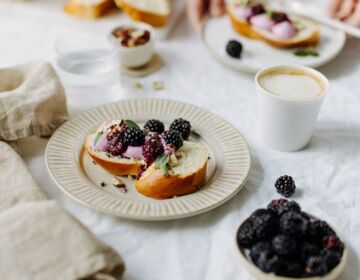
x=260 y=275
x=134 y=57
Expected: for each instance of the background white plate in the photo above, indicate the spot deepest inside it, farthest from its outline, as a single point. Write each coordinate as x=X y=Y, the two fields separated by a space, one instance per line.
x=76 y=174
x=216 y=32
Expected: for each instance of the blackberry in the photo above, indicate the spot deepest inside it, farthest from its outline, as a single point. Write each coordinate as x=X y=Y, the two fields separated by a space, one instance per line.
x=293 y=223
x=234 y=48
x=331 y=258
x=332 y=242
x=307 y=250
x=278 y=17
x=257 y=10
x=263 y=247
x=264 y=225
x=183 y=126
x=117 y=149
x=284 y=245
x=173 y=137
x=154 y=126
x=318 y=229
x=285 y=185
x=134 y=137
x=290 y=268
x=152 y=149
x=280 y=206
x=115 y=138
x=269 y=262
x=258 y=212
x=316 y=266
x=246 y=235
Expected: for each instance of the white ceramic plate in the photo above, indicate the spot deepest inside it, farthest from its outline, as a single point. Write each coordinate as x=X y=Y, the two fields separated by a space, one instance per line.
x=216 y=32
x=76 y=174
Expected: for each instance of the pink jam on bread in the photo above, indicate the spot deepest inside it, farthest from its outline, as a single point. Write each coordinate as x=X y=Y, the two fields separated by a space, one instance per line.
x=277 y=23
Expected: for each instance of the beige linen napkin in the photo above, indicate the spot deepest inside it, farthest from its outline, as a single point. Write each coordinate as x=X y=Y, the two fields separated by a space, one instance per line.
x=32 y=101
x=39 y=240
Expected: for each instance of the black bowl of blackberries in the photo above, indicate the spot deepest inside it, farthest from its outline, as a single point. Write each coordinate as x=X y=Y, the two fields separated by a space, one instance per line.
x=284 y=242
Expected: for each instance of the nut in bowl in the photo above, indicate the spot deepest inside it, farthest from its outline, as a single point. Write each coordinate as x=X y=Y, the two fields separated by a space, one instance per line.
x=136 y=42
x=282 y=242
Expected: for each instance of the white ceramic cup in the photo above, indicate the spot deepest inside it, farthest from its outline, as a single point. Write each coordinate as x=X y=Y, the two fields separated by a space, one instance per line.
x=286 y=124
x=138 y=56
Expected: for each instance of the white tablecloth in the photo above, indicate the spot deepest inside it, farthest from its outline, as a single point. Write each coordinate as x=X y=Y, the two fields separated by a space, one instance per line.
x=326 y=172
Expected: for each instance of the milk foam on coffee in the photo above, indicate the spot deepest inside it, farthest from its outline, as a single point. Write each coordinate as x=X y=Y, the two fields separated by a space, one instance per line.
x=291 y=85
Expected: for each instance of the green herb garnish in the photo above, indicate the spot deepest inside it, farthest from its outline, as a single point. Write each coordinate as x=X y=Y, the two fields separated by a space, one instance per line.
x=306 y=53
x=97 y=137
x=270 y=14
x=161 y=163
x=131 y=124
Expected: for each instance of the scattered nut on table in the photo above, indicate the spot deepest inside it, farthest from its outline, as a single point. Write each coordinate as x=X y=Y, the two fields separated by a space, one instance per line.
x=158 y=85
x=137 y=85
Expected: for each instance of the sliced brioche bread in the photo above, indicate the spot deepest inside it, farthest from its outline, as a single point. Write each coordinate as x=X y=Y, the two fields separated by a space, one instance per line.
x=186 y=174
x=153 y=12
x=307 y=35
x=114 y=165
x=88 y=9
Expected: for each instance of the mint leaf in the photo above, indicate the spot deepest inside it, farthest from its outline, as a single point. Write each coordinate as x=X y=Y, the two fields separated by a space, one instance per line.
x=270 y=14
x=131 y=124
x=306 y=53
x=97 y=137
x=164 y=170
x=161 y=163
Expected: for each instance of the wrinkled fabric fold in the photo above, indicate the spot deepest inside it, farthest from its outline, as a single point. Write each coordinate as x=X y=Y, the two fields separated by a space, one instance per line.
x=32 y=101
x=38 y=238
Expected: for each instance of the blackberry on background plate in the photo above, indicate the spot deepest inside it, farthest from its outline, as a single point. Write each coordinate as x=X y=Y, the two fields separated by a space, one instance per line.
x=234 y=48
x=134 y=137
x=173 y=137
x=285 y=185
x=154 y=126
x=257 y=10
x=280 y=206
x=183 y=126
x=278 y=17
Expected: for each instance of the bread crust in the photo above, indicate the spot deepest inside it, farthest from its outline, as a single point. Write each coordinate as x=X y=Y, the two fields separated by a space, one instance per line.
x=153 y=19
x=88 y=11
x=245 y=29
x=112 y=166
x=154 y=184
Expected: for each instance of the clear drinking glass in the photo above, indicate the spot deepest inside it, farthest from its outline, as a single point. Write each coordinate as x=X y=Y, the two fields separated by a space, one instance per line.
x=88 y=60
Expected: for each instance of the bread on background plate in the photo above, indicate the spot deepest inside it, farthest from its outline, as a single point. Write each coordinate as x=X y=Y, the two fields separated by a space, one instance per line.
x=175 y=171
x=153 y=12
x=281 y=30
x=88 y=9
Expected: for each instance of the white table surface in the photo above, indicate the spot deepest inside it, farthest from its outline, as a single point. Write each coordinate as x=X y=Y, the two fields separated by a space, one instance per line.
x=327 y=172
